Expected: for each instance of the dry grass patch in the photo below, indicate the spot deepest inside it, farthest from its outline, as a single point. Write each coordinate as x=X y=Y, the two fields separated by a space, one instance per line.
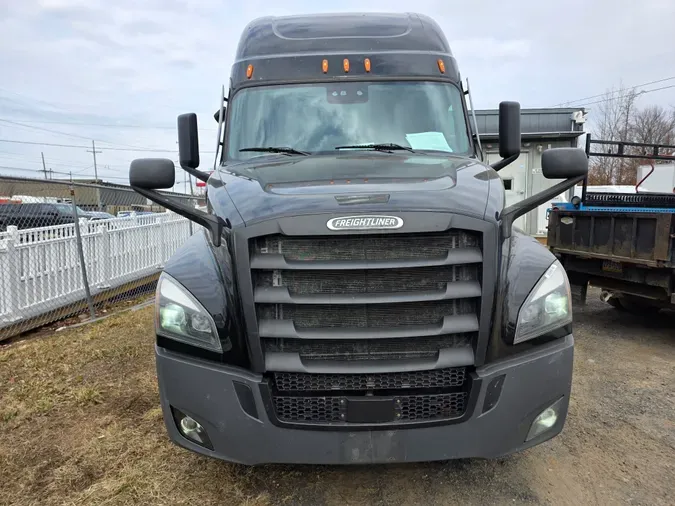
x=81 y=424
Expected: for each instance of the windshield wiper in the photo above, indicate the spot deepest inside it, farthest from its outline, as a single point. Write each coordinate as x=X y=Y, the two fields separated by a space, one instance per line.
x=279 y=149
x=377 y=147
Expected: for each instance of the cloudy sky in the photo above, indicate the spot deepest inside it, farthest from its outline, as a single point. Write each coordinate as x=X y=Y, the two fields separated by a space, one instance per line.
x=119 y=71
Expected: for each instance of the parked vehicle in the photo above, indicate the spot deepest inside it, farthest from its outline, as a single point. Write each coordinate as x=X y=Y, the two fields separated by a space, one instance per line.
x=98 y=215
x=34 y=215
x=126 y=214
x=623 y=243
x=658 y=177
x=357 y=293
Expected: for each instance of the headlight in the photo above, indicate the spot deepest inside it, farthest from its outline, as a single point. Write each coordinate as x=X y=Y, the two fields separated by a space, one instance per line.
x=549 y=305
x=181 y=317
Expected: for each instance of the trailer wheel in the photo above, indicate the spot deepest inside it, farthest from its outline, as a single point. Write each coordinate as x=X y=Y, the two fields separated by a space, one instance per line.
x=634 y=305
x=615 y=303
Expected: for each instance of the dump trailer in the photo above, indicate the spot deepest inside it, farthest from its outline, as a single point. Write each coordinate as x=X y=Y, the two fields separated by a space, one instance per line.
x=623 y=243
x=356 y=292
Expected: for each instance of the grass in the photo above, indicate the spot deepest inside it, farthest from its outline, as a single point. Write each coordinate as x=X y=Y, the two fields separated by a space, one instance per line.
x=81 y=424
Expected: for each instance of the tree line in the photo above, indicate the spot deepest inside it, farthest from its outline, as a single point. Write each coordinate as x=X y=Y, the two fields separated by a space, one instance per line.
x=619 y=118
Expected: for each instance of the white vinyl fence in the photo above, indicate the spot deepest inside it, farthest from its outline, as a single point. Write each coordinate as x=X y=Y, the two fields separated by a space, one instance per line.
x=40 y=268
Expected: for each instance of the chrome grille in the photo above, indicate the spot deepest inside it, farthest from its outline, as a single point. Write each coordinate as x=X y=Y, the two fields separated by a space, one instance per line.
x=318 y=292
x=367 y=298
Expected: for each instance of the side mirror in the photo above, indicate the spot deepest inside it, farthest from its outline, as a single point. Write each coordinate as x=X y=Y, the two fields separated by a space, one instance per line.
x=188 y=141
x=152 y=173
x=509 y=129
x=564 y=163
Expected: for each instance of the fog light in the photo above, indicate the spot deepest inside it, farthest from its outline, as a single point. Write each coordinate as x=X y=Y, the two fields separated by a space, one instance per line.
x=189 y=426
x=191 y=429
x=545 y=420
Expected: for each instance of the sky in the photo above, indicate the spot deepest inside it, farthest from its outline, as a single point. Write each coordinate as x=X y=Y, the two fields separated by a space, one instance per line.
x=119 y=72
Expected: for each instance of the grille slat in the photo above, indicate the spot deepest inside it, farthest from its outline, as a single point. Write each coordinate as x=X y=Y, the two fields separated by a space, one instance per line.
x=411 y=408
x=304 y=382
x=455 y=290
x=367 y=349
x=365 y=247
x=366 y=281
x=452 y=257
x=367 y=315
x=457 y=324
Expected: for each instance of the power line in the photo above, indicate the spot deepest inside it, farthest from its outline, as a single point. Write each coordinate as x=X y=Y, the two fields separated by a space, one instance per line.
x=149 y=150
x=28 y=159
x=29 y=99
x=110 y=125
x=14 y=154
x=61 y=108
x=569 y=102
x=643 y=92
x=62 y=173
x=57 y=132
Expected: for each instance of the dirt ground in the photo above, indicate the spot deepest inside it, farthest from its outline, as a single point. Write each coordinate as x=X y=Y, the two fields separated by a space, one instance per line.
x=80 y=424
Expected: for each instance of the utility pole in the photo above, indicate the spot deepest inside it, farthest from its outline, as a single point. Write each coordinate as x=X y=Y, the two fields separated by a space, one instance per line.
x=98 y=190
x=44 y=167
x=93 y=151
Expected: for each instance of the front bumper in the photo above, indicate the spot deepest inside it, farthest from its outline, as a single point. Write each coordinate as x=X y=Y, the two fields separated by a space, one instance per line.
x=205 y=391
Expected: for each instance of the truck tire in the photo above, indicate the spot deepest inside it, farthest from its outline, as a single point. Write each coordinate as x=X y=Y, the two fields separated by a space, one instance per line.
x=634 y=305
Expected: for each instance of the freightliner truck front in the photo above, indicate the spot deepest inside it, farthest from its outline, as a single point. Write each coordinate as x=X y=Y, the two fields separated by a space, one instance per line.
x=356 y=292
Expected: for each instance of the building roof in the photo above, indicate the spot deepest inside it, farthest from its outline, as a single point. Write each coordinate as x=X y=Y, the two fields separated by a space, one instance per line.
x=548 y=123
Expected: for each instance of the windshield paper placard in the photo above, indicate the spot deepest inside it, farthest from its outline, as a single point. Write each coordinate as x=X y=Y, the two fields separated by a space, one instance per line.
x=428 y=140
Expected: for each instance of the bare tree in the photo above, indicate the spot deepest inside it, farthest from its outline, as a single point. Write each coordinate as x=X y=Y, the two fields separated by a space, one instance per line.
x=613 y=123
x=618 y=118
x=653 y=125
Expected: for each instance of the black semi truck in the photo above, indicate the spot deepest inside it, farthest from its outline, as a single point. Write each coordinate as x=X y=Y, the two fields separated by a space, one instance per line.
x=357 y=293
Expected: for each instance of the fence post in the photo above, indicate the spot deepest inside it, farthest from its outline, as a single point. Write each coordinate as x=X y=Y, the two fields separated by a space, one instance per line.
x=105 y=257
x=80 y=252
x=12 y=274
x=160 y=221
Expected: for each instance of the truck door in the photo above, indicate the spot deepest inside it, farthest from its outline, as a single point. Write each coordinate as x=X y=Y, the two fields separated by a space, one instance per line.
x=514 y=177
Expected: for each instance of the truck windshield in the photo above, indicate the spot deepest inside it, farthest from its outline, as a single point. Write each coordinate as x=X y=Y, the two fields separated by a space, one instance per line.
x=317 y=118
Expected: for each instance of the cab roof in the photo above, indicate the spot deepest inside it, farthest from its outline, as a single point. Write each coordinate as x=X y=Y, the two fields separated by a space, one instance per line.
x=342 y=46
x=341 y=33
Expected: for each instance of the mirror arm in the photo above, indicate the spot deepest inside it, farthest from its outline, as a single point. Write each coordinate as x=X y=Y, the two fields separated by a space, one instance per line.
x=211 y=222
x=500 y=164
x=199 y=174
x=511 y=213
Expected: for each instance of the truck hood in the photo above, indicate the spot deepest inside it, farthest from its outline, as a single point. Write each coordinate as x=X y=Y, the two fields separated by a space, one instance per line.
x=269 y=187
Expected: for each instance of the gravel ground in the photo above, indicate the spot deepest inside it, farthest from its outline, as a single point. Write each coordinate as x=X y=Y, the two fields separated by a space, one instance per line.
x=618 y=446
x=80 y=424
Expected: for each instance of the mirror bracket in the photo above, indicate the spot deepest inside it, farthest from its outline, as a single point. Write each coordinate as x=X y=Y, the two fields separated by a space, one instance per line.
x=511 y=213
x=211 y=222
x=500 y=164
x=199 y=174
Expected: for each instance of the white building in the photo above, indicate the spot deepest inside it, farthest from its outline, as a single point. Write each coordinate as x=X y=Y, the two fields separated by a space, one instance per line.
x=542 y=129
